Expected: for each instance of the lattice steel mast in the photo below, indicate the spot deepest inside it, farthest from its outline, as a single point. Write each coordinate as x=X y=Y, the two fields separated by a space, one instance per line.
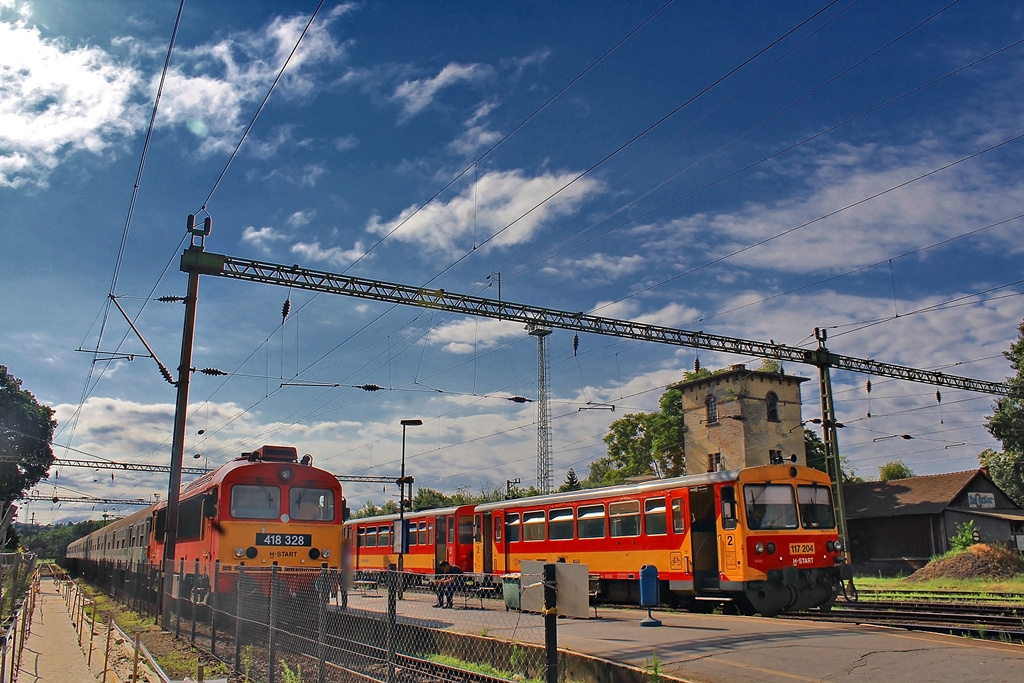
x=543 y=409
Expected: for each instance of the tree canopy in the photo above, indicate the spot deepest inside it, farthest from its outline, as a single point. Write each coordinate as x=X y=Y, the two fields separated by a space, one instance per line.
x=26 y=429
x=1007 y=425
x=893 y=470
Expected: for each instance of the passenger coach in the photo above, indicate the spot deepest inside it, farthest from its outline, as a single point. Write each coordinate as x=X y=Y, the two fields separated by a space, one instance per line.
x=764 y=537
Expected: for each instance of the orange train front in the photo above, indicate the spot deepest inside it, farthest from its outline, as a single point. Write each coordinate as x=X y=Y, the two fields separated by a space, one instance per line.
x=763 y=537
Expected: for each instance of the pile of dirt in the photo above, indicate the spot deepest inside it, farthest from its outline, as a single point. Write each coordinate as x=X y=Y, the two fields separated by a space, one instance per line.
x=979 y=561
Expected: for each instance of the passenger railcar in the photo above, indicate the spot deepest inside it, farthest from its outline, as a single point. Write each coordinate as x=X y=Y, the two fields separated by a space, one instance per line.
x=434 y=535
x=262 y=509
x=764 y=537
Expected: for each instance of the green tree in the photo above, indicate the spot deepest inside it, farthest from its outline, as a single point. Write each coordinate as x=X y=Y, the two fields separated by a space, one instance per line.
x=572 y=482
x=428 y=498
x=1007 y=424
x=26 y=429
x=895 y=469
x=1002 y=467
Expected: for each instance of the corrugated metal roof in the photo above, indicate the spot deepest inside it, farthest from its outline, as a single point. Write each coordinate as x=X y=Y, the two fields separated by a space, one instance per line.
x=926 y=495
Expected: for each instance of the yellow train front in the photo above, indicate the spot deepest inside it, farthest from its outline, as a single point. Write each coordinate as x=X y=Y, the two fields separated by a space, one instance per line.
x=264 y=509
x=763 y=537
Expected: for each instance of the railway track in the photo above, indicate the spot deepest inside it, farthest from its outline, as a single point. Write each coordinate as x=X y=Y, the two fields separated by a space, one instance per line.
x=986 y=620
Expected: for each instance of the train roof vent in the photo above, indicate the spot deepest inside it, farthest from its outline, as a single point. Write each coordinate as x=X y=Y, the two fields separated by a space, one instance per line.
x=275 y=454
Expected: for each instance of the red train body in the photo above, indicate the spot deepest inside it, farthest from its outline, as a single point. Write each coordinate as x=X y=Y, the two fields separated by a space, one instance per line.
x=262 y=509
x=434 y=535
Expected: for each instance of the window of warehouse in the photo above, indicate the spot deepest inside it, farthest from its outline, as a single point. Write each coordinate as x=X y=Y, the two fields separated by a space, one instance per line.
x=625 y=518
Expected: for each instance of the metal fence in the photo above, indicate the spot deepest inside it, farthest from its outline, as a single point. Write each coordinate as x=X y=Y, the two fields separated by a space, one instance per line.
x=274 y=624
x=17 y=602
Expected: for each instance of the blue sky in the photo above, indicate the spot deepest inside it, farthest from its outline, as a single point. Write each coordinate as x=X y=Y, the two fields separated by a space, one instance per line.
x=745 y=169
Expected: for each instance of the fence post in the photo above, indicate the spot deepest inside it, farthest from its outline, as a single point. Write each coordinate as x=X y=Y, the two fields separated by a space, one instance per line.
x=213 y=609
x=192 y=596
x=550 y=624
x=92 y=631
x=392 y=579
x=177 y=600
x=272 y=634
x=323 y=594
x=238 y=619
x=106 y=651
x=135 y=662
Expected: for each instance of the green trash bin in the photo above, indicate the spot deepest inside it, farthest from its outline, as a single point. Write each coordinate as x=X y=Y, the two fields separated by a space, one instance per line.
x=510 y=591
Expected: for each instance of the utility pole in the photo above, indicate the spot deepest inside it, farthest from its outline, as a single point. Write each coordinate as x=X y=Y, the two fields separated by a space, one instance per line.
x=543 y=409
x=191 y=262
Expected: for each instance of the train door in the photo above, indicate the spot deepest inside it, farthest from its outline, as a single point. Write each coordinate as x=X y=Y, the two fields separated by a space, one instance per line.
x=704 y=538
x=449 y=551
x=485 y=532
x=440 y=540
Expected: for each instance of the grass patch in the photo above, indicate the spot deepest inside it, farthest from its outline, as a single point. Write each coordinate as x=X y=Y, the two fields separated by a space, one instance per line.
x=984 y=587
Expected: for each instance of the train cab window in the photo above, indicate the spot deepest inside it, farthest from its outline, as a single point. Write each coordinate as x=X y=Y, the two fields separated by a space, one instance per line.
x=421 y=533
x=190 y=518
x=442 y=529
x=497 y=529
x=384 y=536
x=678 y=516
x=311 y=504
x=816 y=511
x=361 y=538
x=728 y=496
x=255 y=502
x=590 y=522
x=465 y=529
x=655 y=521
x=625 y=518
x=371 y=538
x=769 y=506
x=512 y=527
x=451 y=529
x=533 y=526
x=560 y=524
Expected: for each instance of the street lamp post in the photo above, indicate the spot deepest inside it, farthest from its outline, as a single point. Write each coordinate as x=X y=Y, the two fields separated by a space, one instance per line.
x=402 y=482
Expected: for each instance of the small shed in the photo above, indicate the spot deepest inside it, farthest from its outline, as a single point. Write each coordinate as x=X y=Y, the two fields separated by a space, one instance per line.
x=899 y=525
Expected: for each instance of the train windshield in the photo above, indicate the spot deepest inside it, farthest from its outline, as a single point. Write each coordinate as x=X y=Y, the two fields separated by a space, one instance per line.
x=255 y=502
x=311 y=504
x=816 y=511
x=770 y=506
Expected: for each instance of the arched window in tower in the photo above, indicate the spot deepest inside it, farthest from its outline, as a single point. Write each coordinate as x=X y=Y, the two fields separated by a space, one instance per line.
x=711 y=406
x=771 y=404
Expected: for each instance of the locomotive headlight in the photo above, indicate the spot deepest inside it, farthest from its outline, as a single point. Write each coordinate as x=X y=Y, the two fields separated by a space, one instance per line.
x=839 y=545
x=325 y=553
x=285 y=474
x=239 y=552
x=759 y=548
x=770 y=548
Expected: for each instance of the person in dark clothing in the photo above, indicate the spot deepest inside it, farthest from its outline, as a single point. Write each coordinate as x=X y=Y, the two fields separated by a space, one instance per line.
x=447 y=579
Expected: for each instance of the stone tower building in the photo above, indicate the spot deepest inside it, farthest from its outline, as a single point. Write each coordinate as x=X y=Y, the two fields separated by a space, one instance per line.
x=739 y=418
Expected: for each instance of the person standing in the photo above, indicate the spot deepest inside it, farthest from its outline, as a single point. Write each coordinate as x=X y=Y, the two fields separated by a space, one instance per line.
x=448 y=578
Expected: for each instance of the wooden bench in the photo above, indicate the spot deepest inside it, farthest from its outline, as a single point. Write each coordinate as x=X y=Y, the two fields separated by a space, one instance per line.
x=365 y=584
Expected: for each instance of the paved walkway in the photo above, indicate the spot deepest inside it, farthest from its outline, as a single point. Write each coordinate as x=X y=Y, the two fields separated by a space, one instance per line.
x=52 y=653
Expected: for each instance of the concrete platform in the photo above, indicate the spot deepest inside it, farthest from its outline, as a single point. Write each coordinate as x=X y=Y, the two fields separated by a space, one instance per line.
x=52 y=653
x=720 y=649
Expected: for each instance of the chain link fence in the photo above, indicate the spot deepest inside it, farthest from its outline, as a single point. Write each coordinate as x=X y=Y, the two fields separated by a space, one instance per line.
x=283 y=624
x=17 y=602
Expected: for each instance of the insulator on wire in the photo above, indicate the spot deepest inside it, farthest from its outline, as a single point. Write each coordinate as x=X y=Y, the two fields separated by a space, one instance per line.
x=166 y=374
x=519 y=399
x=369 y=387
x=938 y=396
x=212 y=372
x=867 y=385
x=285 y=309
x=575 y=343
x=169 y=299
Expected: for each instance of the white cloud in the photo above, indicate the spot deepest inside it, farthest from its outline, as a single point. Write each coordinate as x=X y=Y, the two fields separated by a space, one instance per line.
x=416 y=95
x=335 y=256
x=930 y=210
x=301 y=218
x=56 y=100
x=596 y=268
x=469 y=334
x=500 y=201
x=261 y=238
x=346 y=142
